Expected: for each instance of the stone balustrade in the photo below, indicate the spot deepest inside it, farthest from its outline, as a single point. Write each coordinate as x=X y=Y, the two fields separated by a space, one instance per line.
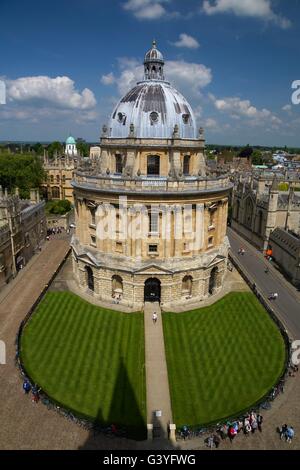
x=150 y=184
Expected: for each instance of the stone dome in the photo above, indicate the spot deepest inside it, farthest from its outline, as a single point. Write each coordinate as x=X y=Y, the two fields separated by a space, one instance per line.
x=153 y=54
x=153 y=108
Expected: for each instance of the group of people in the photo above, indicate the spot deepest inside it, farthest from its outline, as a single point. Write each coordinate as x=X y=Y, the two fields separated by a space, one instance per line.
x=287 y=432
x=241 y=251
x=249 y=424
x=27 y=387
x=55 y=231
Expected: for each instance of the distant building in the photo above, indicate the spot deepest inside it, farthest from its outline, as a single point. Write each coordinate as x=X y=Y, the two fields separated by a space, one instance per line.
x=22 y=230
x=286 y=252
x=95 y=152
x=259 y=207
x=60 y=171
x=71 y=149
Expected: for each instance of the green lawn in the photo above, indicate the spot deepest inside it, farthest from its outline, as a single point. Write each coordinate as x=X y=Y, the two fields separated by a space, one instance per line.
x=88 y=358
x=221 y=359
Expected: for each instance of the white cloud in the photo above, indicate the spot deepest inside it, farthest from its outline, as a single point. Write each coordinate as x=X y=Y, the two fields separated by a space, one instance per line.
x=249 y=8
x=287 y=108
x=210 y=124
x=237 y=108
x=146 y=9
x=108 y=79
x=188 y=77
x=60 y=92
x=186 y=41
x=34 y=114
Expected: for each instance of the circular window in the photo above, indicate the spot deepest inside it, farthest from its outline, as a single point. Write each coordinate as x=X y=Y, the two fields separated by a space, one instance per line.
x=154 y=116
x=186 y=118
x=120 y=117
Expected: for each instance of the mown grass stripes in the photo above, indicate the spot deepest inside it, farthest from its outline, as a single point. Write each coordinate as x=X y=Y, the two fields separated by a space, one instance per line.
x=87 y=358
x=221 y=359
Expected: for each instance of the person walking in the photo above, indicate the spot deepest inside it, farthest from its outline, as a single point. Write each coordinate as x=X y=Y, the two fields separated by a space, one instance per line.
x=26 y=386
x=259 y=422
x=154 y=317
x=290 y=434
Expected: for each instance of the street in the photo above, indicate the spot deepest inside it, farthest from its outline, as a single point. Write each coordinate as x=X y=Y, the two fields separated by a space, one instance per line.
x=287 y=305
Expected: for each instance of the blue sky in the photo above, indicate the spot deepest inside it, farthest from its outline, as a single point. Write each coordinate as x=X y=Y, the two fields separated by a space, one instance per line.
x=66 y=63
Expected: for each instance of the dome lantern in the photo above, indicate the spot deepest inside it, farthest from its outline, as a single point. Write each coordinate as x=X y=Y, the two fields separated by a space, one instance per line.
x=154 y=64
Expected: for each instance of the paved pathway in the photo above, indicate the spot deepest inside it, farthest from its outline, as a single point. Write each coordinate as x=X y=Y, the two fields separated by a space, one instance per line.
x=157 y=382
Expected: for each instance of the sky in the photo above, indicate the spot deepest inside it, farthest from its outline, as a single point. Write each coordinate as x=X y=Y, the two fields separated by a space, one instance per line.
x=66 y=63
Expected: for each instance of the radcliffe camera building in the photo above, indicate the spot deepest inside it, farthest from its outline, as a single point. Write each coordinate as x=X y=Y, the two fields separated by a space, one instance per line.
x=152 y=172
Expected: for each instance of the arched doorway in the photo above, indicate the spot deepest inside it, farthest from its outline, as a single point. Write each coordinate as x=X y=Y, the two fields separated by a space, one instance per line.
x=89 y=277
x=117 y=286
x=213 y=280
x=152 y=290
x=186 y=290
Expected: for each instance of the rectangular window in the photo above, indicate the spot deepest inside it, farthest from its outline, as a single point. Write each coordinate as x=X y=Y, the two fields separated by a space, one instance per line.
x=186 y=165
x=153 y=248
x=119 y=164
x=211 y=241
x=93 y=240
x=153 y=222
x=119 y=247
x=153 y=165
x=93 y=216
x=186 y=247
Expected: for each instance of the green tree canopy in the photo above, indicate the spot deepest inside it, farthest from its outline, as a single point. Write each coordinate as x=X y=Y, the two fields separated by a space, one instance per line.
x=246 y=152
x=55 y=147
x=24 y=171
x=58 y=207
x=83 y=148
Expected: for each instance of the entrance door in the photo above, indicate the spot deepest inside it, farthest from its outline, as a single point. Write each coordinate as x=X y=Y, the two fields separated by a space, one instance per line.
x=152 y=290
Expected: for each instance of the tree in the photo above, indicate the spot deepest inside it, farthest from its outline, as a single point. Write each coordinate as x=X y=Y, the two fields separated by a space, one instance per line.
x=257 y=158
x=246 y=152
x=58 y=207
x=83 y=148
x=55 y=147
x=38 y=149
x=23 y=171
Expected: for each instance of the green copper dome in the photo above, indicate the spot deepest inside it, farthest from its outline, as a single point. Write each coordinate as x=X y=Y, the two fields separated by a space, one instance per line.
x=70 y=140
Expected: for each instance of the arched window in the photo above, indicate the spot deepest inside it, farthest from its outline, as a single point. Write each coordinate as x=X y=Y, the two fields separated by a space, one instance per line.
x=117 y=286
x=153 y=165
x=186 y=164
x=55 y=192
x=213 y=280
x=260 y=222
x=89 y=277
x=248 y=213
x=187 y=283
x=57 y=178
x=119 y=164
x=237 y=210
